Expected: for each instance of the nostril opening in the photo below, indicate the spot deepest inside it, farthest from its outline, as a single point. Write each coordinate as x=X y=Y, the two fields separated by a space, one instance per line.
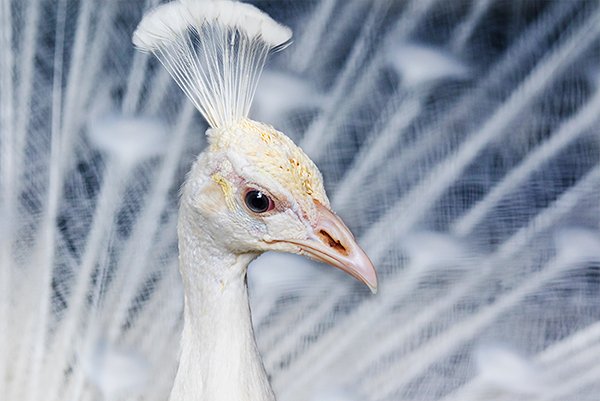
x=333 y=243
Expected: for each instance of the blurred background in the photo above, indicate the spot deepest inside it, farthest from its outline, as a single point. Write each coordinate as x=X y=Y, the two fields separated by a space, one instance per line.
x=459 y=140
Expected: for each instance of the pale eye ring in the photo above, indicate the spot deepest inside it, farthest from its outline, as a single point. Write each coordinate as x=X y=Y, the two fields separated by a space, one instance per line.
x=258 y=202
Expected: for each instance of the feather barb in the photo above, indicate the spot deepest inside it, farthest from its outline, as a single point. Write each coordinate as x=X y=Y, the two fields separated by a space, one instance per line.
x=215 y=51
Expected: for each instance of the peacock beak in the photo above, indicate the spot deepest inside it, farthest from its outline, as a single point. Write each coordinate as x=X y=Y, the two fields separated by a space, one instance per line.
x=332 y=242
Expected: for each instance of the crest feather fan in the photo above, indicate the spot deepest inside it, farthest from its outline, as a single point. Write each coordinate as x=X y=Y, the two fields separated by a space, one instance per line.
x=215 y=51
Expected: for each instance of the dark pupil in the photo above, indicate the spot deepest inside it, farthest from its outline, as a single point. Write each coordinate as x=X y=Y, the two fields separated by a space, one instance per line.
x=257 y=201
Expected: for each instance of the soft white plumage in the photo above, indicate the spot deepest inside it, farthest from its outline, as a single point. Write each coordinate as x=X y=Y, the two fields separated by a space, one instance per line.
x=252 y=190
x=472 y=183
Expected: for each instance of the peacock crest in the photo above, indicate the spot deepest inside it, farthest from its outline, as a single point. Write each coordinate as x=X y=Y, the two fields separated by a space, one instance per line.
x=216 y=53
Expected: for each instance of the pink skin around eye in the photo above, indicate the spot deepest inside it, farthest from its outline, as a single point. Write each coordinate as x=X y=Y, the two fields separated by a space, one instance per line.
x=271 y=203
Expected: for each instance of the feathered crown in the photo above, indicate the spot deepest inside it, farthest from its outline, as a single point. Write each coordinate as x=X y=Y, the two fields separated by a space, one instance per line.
x=215 y=51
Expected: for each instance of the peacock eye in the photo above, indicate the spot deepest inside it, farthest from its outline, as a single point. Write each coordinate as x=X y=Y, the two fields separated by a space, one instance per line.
x=258 y=202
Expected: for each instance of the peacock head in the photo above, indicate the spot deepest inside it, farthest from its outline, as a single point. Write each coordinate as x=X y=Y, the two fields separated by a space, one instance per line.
x=257 y=191
x=253 y=190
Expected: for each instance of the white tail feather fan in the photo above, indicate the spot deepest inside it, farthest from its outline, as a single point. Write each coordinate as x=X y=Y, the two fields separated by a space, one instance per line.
x=215 y=51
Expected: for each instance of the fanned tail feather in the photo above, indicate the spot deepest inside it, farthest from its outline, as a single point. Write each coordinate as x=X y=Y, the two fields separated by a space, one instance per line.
x=474 y=184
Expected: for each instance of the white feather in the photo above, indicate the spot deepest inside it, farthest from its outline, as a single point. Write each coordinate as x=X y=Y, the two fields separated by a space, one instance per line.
x=215 y=52
x=507 y=370
x=502 y=250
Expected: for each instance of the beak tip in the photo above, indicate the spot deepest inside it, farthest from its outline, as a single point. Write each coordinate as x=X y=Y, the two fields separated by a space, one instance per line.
x=373 y=286
x=368 y=274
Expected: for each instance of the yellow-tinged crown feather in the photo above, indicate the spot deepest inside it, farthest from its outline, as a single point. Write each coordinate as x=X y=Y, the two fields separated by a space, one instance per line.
x=272 y=153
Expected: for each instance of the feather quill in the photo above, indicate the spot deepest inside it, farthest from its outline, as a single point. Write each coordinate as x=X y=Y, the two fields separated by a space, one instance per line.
x=215 y=52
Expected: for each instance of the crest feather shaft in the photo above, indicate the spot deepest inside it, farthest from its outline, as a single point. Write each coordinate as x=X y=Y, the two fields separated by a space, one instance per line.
x=215 y=51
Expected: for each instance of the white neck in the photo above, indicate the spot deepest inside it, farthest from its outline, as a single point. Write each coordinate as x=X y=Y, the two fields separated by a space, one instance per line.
x=219 y=358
